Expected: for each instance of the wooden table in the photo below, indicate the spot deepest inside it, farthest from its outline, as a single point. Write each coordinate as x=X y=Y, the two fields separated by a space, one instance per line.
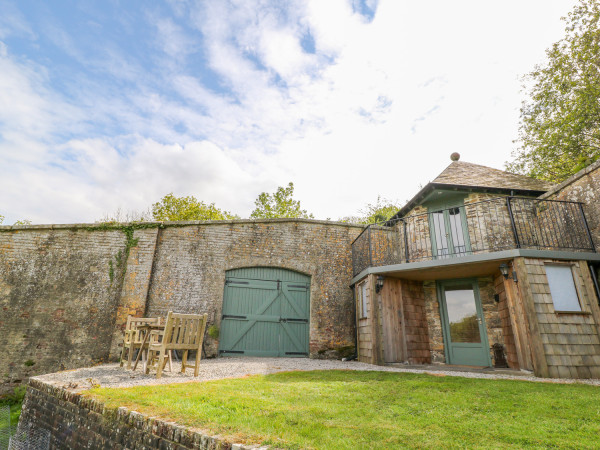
x=148 y=328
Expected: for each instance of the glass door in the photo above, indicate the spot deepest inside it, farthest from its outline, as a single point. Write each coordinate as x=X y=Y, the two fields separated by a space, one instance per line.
x=463 y=325
x=449 y=235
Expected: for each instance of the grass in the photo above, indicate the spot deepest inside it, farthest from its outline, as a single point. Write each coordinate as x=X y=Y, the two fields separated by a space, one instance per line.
x=348 y=409
x=14 y=401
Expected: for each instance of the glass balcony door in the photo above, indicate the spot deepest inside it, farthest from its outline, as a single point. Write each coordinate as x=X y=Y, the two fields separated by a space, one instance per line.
x=449 y=234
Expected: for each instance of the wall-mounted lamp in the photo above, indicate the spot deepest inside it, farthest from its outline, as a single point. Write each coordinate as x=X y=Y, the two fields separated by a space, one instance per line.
x=379 y=284
x=505 y=271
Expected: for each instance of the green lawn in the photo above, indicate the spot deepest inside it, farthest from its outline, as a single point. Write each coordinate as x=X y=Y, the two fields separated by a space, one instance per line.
x=14 y=402
x=348 y=409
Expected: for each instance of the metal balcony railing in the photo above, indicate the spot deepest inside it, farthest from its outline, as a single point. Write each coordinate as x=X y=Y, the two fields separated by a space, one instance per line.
x=497 y=224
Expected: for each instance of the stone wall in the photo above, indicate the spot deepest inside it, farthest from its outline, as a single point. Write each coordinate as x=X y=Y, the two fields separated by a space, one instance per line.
x=190 y=265
x=75 y=421
x=507 y=331
x=415 y=318
x=491 y=314
x=58 y=298
x=583 y=187
x=66 y=291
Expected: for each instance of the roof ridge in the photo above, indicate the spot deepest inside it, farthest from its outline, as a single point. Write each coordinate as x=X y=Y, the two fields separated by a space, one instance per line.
x=487 y=176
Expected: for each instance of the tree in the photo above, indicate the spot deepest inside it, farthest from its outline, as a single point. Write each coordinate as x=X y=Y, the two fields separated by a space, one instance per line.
x=380 y=211
x=1 y=219
x=559 y=130
x=187 y=208
x=279 y=204
x=127 y=216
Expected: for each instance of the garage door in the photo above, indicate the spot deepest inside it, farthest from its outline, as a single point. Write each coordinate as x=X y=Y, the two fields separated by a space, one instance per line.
x=265 y=313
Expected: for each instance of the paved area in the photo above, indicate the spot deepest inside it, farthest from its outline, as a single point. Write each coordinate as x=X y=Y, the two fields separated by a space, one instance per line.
x=111 y=375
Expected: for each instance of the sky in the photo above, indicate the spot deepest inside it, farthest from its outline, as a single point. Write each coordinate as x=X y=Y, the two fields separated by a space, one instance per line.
x=110 y=105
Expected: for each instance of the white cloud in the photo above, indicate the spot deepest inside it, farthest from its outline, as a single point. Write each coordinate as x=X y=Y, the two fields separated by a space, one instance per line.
x=376 y=109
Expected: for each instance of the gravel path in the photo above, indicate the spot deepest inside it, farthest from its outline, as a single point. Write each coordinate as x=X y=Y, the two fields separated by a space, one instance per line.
x=111 y=375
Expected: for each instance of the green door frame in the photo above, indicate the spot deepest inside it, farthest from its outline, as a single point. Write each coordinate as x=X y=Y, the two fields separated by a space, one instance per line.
x=454 y=201
x=486 y=358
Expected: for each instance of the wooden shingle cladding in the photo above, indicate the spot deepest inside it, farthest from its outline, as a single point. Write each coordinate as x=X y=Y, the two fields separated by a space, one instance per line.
x=562 y=345
x=364 y=326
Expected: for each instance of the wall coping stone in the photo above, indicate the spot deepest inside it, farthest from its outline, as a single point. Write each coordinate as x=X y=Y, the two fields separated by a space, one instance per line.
x=178 y=435
x=572 y=179
x=107 y=226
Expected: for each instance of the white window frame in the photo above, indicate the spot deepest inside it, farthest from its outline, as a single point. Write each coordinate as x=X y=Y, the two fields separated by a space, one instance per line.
x=361 y=300
x=554 y=294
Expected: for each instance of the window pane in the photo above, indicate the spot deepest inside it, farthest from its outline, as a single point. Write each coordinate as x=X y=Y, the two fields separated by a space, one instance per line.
x=439 y=231
x=562 y=288
x=363 y=299
x=456 y=227
x=462 y=313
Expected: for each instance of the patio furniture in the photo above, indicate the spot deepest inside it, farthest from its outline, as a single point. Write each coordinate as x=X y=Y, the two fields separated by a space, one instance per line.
x=134 y=336
x=183 y=332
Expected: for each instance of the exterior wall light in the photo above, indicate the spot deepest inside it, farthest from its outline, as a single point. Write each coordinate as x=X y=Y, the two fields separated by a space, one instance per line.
x=505 y=271
x=379 y=284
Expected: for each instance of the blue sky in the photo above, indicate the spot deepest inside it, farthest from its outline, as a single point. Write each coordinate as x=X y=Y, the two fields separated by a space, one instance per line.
x=113 y=104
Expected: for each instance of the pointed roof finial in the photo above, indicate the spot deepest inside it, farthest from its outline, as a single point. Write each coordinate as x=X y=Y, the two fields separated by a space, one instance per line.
x=455 y=156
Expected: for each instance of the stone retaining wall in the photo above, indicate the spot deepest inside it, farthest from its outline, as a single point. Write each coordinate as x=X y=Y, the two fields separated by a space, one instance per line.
x=76 y=421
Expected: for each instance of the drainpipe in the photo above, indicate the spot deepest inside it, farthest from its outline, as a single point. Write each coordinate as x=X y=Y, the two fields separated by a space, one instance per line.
x=353 y=357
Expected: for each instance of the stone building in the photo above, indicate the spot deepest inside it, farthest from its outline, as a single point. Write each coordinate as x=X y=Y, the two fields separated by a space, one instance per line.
x=484 y=268
x=481 y=268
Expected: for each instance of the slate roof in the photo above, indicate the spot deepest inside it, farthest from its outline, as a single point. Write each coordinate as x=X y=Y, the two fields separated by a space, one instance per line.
x=461 y=173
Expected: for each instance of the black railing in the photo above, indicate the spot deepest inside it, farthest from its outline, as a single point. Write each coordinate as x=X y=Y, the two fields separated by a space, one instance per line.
x=497 y=224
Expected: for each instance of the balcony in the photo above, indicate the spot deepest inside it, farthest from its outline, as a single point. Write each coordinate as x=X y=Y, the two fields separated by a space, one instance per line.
x=498 y=224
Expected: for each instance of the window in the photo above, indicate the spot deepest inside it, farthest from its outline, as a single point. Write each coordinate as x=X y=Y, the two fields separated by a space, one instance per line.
x=562 y=287
x=361 y=298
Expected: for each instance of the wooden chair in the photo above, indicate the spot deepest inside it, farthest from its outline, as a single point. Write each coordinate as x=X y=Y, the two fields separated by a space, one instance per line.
x=182 y=332
x=133 y=338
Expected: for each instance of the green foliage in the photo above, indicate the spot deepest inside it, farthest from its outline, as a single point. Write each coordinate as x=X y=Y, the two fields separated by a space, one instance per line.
x=14 y=398
x=1 y=219
x=213 y=331
x=171 y=208
x=280 y=204
x=559 y=132
x=23 y=222
x=352 y=409
x=29 y=362
x=377 y=212
x=14 y=401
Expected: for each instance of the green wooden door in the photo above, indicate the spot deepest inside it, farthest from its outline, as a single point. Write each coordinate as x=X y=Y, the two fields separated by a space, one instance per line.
x=265 y=313
x=463 y=324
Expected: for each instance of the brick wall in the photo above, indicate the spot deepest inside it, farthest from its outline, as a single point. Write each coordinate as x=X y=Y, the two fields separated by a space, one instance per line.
x=66 y=291
x=75 y=421
x=57 y=299
x=190 y=265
